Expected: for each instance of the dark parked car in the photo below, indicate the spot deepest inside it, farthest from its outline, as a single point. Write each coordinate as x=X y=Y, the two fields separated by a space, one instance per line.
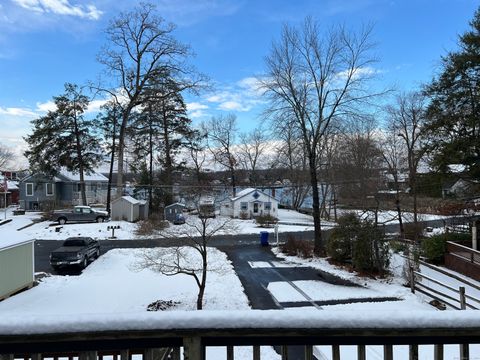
x=179 y=219
x=80 y=214
x=75 y=251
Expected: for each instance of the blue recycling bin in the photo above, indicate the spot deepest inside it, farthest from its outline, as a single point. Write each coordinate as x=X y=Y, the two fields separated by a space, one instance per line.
x=264 y=238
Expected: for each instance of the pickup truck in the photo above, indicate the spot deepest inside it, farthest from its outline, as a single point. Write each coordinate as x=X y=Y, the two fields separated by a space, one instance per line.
x=80 y=214
x=75 y=251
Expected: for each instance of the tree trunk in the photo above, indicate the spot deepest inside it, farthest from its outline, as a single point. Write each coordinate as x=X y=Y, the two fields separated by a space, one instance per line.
x=112 y=160
x=203 y=282
x=318 y=242
x=400 y=220
x=121 y=148
x=168 y=158
x=80 y=159
x=150 y=164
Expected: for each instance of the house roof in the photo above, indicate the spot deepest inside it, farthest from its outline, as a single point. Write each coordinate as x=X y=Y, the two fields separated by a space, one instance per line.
x=247 y=191
x=175 y=204
x=93 y=176
x=64 y=175
x=131 y=200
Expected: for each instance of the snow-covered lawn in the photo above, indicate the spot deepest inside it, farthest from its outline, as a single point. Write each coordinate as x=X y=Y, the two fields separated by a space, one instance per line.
x=289 y=221
x=112 y=284
x=8 y=232
x=390 y=216
x=127 y=230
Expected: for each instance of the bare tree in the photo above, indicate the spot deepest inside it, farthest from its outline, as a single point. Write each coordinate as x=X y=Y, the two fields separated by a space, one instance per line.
x=6 y=156
x=407 y=119
x=315 y=81
x=395 y=157
x=291 y=157
x=191 y=257
x=251 y=149
x=221 y=132
x=140 y=51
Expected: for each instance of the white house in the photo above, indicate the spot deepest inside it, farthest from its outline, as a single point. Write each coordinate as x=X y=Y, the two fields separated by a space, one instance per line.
x=249 y=203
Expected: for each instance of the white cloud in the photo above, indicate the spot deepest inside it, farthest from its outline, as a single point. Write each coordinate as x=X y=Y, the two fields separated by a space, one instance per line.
x=242 y=96
x=193 y=106
x=233 y=106
x=20 y=112
x=61 y=7
x=46 y=106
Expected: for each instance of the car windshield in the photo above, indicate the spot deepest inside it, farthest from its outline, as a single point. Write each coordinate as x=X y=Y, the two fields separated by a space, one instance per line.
x=74 y=242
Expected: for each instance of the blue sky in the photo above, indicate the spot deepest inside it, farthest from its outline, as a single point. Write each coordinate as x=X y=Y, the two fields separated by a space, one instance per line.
x=45 y=43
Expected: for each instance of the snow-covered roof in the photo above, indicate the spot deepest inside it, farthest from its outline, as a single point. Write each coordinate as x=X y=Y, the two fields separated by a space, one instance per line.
x=247 y=191
x=457 y=168
x=93 y=176
x=14 y=241
x=176 y=204
x=130 y=199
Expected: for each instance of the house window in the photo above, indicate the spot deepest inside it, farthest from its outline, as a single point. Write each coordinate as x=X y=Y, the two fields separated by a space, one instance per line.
x=29 y=189
x=268 y=206
x=49 y=189
x=243 y=206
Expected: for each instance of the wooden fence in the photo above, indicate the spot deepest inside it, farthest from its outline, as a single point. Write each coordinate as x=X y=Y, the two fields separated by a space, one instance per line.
x=456 y=298
x=463 y=259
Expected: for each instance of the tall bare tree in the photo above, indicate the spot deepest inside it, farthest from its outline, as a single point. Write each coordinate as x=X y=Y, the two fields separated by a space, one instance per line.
x=251 y=149
x=316 y=80
x=395 y=158
x=6 y=156
x=291 y=157
x=407 y=120
x=141 y=48
x=221 y=138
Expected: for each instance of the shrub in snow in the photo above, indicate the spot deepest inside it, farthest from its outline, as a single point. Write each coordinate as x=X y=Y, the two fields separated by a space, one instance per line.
x=244 y=215
x=266 y=220
x=161 y=305
x=359 y=242
x=339 y=245
x=151 y=225
x=295 y=247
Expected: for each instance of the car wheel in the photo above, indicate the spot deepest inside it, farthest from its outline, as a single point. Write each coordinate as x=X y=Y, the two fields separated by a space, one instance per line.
x=84 y=262
x=62 y=221
x=100 y=219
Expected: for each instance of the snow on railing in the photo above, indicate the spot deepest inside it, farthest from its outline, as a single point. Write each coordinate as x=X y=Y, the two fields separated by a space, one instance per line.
x=89 y=335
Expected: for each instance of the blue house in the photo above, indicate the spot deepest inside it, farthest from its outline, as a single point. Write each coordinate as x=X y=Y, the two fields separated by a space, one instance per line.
x=41 y=192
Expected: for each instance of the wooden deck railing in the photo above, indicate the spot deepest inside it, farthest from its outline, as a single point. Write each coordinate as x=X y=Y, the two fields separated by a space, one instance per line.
x=463 y=259
x=164 y=335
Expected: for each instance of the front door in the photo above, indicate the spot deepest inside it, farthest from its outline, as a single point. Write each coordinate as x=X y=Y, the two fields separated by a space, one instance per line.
x=255 y=208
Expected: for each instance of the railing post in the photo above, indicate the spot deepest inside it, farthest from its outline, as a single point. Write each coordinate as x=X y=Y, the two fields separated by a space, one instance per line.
x=335 y=352
x=176 y=353
x=36 y=356
x=230 y=354
x=387 y=352
x=124 y=355
x=413 y=352
x=154 y=354
x=464 y=352
x=284 y=352
x=463 y=300
x=256 y=352
x=308 y=352
x=438 y=352
x=6 y=357
x=361 y=353
x=192 y=348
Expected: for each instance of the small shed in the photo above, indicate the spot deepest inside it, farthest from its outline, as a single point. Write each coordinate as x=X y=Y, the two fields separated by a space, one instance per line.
x=129 y=209
x=16 y=266
x=172 y=210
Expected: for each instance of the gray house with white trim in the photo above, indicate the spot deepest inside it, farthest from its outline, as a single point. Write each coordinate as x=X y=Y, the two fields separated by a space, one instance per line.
x=42 y=192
